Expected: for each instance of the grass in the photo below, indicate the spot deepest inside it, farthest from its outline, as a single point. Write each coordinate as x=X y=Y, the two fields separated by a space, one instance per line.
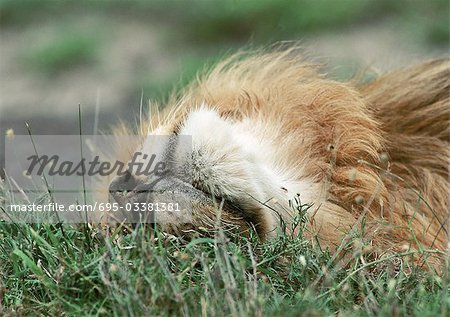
x=51 y=270
x=200 y=25
x=62 y=52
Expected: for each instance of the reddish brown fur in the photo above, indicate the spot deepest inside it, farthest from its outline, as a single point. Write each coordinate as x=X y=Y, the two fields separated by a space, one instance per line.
x=380 y=151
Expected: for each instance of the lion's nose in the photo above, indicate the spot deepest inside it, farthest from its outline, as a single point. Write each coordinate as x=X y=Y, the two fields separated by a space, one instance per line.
x=120 y=186
x=124 y=183
x=125 y=190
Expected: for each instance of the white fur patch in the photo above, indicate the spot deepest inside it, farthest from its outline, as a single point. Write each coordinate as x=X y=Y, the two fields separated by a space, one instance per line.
x=236 y=162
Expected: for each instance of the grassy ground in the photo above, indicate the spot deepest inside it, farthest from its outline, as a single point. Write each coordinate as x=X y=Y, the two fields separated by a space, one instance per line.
x=53 y=270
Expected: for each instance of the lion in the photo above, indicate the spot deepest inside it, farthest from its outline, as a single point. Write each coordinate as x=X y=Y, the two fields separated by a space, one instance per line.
x=269 y=128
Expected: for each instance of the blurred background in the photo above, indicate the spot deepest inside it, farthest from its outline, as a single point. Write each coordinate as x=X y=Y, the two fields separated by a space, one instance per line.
x=106 y=55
